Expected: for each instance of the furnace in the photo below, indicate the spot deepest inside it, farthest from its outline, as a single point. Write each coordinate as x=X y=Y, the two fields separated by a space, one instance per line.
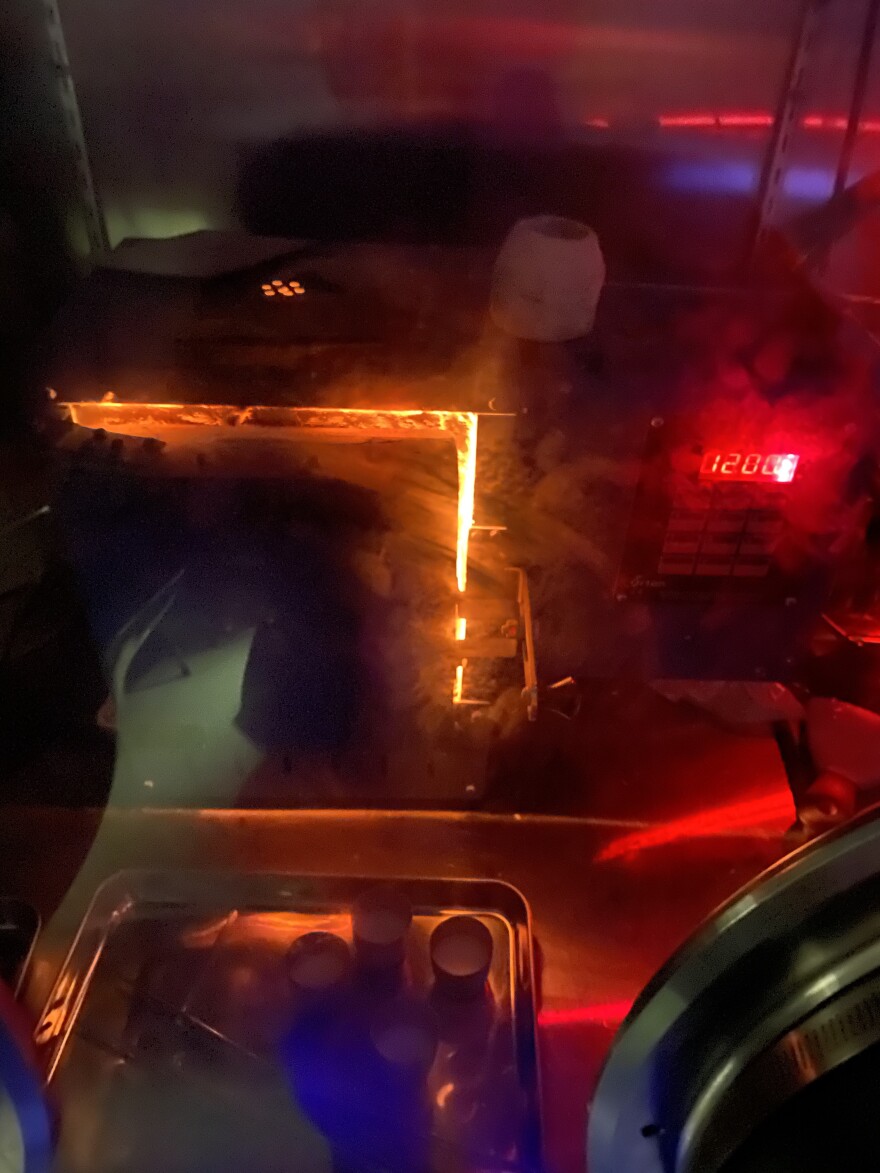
x=318 y=386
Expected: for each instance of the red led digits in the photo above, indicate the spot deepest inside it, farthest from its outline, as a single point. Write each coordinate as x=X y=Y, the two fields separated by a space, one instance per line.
x=730 y=464
x=719 y=465
x=770 y=465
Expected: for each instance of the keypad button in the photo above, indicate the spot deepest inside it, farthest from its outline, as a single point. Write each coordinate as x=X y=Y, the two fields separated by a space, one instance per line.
x=751 y=568
x=714 y=567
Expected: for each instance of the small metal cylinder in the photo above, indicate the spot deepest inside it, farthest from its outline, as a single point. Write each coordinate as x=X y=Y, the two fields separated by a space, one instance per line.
x=318 y=966
x=380 y=921
x=461 y=955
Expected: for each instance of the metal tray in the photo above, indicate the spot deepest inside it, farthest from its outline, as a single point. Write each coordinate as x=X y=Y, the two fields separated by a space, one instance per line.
x=163 y=1033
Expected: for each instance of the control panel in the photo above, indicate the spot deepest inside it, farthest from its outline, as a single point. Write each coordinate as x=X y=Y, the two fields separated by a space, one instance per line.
x=710 y=520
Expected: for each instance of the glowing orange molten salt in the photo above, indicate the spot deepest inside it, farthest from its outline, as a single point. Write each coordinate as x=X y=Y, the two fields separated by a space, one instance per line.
x=154 y=419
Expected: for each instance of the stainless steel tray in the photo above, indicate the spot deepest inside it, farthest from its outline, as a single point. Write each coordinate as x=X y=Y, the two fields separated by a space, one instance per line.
x=163 y=1033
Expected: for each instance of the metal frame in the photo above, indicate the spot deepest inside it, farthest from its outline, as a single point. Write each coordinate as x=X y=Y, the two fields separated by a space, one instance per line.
x=860 y=87
x=775 y=162
x=796 y=947
x=773 y=172
x=96 y=228
x=530 y=666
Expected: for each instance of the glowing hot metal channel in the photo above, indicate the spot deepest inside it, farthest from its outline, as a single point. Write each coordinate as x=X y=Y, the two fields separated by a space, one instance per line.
x=152 y=419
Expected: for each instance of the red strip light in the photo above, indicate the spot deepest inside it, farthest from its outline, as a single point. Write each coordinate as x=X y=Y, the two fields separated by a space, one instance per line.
x=759 y=119
x=745 y=120
x=721 y=820
x=823 y=122
x=672 y=120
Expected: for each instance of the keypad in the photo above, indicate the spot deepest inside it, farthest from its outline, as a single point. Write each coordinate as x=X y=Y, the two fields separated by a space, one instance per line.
x=722 y=531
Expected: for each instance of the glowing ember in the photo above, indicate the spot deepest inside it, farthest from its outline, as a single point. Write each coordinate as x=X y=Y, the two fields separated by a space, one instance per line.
x=284 y=289
x=466 y=447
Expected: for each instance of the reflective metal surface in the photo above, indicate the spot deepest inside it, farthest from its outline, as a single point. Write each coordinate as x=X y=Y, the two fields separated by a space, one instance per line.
x=774 y=991
x=838 y=1031
x=601 y=929
x=347 y=119
x=175 y=970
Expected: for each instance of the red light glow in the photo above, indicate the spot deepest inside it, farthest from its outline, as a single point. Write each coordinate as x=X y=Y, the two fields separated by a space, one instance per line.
x=759 y=120
x=721 y=465
x=608 y=1013
x=740 y=816
x=686 y=120
x=745 y=120
x=823 y=122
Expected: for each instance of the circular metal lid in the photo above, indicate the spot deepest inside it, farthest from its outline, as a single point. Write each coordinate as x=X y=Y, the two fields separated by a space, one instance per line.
x=778 y=988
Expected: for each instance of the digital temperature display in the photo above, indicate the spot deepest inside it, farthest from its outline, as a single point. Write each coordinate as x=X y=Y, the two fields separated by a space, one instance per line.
x=714 y=520
x=720 y=465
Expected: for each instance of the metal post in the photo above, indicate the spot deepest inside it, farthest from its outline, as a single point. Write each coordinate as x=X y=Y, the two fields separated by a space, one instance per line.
x=860 y=86
x=96 y=228
x=773 y=171
x=530 y=671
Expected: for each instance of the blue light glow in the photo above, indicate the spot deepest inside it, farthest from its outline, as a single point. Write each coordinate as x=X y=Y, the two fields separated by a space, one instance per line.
x=801 y=183
x=724 y=178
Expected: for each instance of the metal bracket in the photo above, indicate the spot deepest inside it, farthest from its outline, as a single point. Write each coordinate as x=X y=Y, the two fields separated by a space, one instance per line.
x=773 y=172
x=96 y=228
